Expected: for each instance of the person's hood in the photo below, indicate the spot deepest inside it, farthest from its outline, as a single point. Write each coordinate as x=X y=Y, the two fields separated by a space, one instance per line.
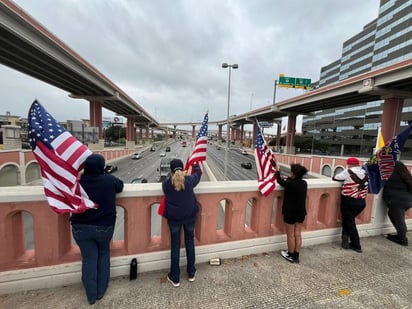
x=94 y=165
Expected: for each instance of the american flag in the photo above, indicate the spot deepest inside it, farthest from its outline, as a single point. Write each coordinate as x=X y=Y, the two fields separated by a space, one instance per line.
x=264 y=157
x=380 y=166
x=198 y=154
x=61 y=156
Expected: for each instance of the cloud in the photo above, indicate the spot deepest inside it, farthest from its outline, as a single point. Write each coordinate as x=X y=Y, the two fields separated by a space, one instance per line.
x=167 y=55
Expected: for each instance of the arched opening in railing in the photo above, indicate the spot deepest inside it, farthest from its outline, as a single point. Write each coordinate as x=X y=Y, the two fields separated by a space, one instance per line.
x=10 y=175
x=120 y=224
x=28 y=230
x=277 y=218
x=156 y=221
x=32 y=172
x=326 y=170
x=324 y=210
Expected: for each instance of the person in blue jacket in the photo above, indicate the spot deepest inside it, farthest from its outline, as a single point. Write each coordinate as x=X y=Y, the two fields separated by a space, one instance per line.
x=93 y=229
x=181 y=211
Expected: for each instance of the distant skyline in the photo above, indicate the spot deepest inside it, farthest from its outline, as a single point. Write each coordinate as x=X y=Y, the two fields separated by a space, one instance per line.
x=167 y=55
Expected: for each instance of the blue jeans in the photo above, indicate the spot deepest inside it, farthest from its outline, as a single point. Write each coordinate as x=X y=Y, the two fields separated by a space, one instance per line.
x=94 y=243
x=175 y=232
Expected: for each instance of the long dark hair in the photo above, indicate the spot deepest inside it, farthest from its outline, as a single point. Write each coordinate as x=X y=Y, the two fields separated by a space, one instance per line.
x=403 y=171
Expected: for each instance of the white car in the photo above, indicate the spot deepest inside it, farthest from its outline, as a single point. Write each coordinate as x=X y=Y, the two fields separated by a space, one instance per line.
x=244 y=152
x=162 y=154
x=136 y=156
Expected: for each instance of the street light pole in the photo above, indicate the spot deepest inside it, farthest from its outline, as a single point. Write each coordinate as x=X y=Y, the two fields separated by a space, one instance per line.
x=230 y=66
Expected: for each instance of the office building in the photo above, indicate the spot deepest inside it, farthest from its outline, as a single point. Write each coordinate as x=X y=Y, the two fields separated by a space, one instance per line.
x=352 y=130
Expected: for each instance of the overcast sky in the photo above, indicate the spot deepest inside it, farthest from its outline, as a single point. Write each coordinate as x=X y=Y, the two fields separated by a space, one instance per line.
x=168 y=54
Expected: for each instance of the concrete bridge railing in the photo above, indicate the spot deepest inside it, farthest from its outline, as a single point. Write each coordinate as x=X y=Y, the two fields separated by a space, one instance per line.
x=249 y=224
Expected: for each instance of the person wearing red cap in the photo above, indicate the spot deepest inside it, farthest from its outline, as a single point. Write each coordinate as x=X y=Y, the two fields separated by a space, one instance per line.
x=353 y=195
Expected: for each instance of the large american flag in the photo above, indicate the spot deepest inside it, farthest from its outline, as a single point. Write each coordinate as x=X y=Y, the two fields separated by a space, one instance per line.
x=198 y=154
x=264 y=157
x=61 y=156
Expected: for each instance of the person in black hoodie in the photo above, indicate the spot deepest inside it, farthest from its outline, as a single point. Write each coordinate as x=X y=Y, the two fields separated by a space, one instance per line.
x=293 y=210
x=93 y=229
x=397 y=194
x=181 y=210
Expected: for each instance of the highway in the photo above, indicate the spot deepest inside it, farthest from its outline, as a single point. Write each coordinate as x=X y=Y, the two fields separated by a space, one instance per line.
x=147 y=167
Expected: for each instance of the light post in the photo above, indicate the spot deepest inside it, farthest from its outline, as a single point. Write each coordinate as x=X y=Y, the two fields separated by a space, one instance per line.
x=230 y=66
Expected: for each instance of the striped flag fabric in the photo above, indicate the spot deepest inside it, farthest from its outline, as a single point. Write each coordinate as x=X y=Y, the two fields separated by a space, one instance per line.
x=264 y=158
x=380 y=166
x=198 y=154
x=61 y=157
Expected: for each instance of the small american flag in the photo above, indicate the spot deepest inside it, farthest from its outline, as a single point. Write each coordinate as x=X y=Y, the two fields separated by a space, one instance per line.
x=61 y=156
x=264 y=164
x=198 y=154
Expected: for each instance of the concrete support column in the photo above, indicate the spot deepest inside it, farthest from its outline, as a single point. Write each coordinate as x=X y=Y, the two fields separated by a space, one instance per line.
x=242 y=132
x=219 y=133
x=166 y=135
x=290 y=134
x=130 y=133
x=391 y=118
x=174 y=132
x=278 y=134
x=95 y=112
x=147 y=134
x=193 y=131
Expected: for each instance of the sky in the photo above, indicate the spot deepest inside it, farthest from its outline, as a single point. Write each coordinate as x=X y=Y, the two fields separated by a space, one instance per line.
x=168 y=55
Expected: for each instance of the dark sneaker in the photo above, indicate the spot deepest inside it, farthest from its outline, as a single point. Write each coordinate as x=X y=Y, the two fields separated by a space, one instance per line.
x=285 y=254
x=345 y=241
x=359 y=250
x=396 y=239
x=175 y=284
x=192 y=277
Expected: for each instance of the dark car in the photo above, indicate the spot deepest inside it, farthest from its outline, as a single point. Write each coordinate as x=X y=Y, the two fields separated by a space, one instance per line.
x=167 y=148
x=139 y=180
x=246 y=165
x=110 y=168
x=152 y=148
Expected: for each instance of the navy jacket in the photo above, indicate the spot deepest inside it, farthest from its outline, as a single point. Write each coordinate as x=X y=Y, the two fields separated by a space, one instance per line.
x=101 y=189
x=181 y=206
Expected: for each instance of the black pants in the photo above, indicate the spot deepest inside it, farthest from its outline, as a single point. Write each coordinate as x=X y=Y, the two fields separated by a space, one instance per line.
x=397 y=216
x=351 y=207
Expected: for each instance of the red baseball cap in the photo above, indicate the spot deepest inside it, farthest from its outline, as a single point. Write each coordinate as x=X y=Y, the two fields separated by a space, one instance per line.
x=352 y=161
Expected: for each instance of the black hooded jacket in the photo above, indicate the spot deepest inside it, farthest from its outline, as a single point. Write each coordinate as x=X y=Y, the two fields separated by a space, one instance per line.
x=101 y=189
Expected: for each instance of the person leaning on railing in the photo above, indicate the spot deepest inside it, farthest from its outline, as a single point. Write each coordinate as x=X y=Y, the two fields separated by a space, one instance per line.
x=397 y=194
x=353 y=194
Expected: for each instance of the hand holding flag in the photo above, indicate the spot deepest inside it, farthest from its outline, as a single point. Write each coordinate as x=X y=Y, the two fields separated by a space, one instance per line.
x=61 y=156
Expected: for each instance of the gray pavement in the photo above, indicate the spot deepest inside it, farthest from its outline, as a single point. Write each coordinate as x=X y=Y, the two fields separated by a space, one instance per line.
x=327 y=277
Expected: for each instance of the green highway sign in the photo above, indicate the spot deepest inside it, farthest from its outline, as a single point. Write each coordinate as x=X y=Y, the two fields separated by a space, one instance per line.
x=294 y=82
x=287 y=82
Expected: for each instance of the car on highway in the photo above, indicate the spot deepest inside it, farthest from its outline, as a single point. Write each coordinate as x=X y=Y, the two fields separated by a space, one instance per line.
x=167 y=148
x=136 y=156
x=110 y=168
x=162 y=154
x=246 y=165
x=244 y=152
x=152 y=148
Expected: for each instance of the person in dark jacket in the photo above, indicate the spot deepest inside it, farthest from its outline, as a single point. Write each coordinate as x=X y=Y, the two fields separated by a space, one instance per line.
x=397 y=194
x=93 y=229
x=293 y=209
x=180 y=211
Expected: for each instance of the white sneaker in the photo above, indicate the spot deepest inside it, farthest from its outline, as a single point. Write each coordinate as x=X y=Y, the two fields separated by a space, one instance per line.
x=192 y=277
x=175 y=284
x=285 y=254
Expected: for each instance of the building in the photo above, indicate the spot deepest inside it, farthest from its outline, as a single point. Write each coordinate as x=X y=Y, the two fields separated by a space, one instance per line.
x=353 y=129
